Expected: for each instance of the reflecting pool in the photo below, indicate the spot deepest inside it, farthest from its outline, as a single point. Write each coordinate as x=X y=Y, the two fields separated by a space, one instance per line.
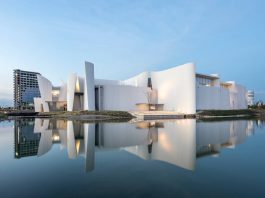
x=186 y=158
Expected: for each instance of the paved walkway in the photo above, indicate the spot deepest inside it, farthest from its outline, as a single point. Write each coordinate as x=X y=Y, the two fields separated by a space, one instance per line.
x=152 y=115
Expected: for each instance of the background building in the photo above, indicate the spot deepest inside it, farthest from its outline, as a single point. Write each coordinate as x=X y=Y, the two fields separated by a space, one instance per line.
x=251 y=97
x=25 y=89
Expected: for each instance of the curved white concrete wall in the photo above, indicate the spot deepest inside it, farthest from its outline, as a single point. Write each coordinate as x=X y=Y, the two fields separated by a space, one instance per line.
x=176 y=88
x=107 y=82
x=45 y=87
x=89 y=103
x=140 y=80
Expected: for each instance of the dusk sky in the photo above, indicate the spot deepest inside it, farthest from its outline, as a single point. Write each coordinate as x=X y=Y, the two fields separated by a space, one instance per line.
x=125 y=37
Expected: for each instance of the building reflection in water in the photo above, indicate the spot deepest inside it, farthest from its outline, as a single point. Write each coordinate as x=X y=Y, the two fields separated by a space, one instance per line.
x=26 y=142
x=211 y=137
x=178 y=142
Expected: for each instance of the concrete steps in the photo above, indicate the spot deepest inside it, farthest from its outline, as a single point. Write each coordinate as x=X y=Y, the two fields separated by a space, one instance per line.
x=157 y=115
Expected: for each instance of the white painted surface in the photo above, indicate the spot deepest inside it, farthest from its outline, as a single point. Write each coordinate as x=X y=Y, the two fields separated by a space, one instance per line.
x=123 y=98
x=107 y=82
x=140 y=80
x=216 y=97
x=250 y=97
x=238 y=96
x=71 y=83
x=176 y=88
x=212 y=98
x=90 y=86
x=63 y=92
x=37 y=104
x=45 y=87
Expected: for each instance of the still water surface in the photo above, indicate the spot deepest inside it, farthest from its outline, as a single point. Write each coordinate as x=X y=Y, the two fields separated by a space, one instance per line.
x=185 y=158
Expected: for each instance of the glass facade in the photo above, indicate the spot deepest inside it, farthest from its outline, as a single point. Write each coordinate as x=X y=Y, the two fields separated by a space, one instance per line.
x=204 y=81
x=25 y=89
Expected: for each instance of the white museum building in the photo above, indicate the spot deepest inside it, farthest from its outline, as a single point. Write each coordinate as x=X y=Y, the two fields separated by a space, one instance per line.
x=179 y=89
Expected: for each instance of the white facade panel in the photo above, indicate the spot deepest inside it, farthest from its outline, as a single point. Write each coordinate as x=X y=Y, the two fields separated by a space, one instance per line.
x=238 y=97
x=45 y=87
x=37 y=104
x=137 y=81
x=123 y=98
x=71 y=84
x=219 y=98
x=63 y=92
x=90 y=87
x=107 y=82
x=212 y=98
x=176 y=88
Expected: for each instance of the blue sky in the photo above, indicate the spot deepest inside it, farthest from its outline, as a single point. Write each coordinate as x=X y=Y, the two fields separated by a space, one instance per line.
x=125 y=37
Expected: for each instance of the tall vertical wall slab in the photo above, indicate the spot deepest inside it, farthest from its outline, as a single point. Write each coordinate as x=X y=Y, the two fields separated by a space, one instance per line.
x=89 y=103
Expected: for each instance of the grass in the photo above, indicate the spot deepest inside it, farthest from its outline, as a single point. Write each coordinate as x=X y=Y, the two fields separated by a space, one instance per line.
x=119 y=114
x=246 y=112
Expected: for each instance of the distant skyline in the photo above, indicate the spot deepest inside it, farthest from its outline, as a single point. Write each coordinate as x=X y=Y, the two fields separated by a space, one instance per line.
x=123 y=38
